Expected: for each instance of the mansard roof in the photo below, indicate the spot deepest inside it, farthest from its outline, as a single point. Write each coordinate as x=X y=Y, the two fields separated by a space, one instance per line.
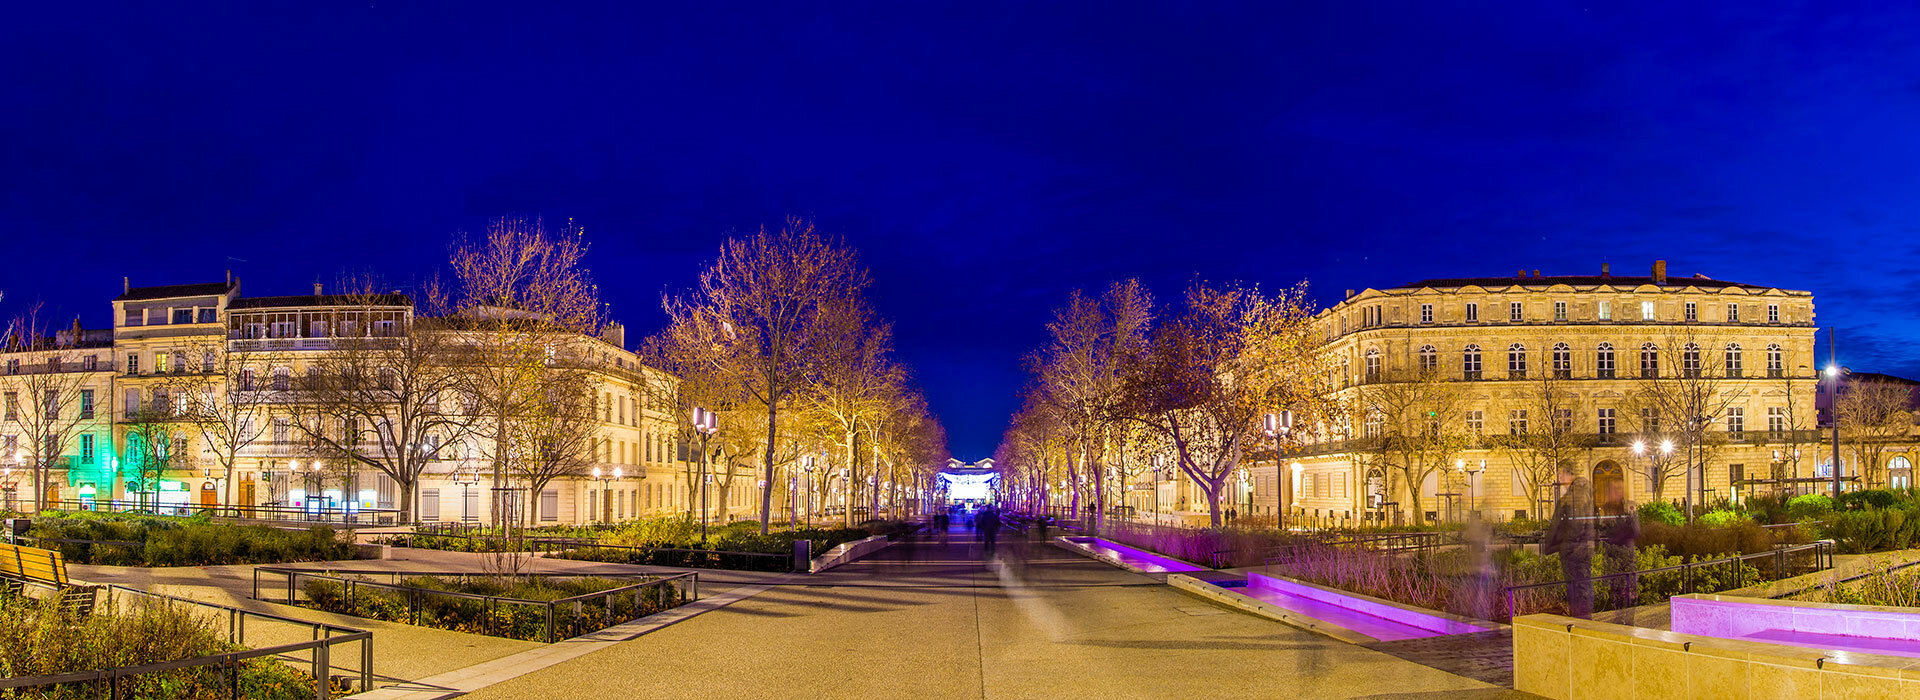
x=174 y=291
x=1577 y=281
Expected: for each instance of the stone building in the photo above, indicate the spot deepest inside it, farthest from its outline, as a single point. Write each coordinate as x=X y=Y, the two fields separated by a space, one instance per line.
x=181 y=346
x=1472 y=394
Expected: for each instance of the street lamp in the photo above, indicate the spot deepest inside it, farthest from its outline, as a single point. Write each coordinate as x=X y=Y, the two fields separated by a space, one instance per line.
x=606 y=495
x=1277 y=426
x=1833 y=410
x=466 y=480
x=706 y=423
x=806 y=463
x=1471 y=473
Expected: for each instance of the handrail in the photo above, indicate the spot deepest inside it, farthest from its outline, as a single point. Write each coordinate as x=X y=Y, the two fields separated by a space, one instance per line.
x=349 y=585
x=1823 y=551
x=264 y=512
x=326 y=636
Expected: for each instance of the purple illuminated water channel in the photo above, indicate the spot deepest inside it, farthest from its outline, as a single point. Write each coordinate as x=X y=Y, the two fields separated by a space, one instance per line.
x=1138 y=559
x=1372 y=618
x=1369 y=617
x=1807 y=625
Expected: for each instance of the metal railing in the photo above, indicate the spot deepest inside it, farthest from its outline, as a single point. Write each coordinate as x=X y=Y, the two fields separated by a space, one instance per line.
x=353 y=517
x=1777 y=559
x=320 y=648
x=574 y=621
x=685 y=557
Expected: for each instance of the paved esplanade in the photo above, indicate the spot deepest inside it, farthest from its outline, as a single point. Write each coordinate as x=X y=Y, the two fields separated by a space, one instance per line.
x=926 y=620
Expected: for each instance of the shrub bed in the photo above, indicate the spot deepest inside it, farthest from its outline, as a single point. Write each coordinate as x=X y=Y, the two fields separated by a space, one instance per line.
x=649 y=538
x=37 y=638
x=192 y=541
x=413 y=603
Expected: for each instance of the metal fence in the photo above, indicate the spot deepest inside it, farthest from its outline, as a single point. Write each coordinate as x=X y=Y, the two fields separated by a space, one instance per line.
x=1710 y=576
x=595 y=550
x=338 y=516
x=493 y=615
x=319 y=651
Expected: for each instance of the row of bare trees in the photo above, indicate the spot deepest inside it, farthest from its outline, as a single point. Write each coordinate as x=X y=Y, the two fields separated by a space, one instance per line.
x=780 y=339
x=1121 y=381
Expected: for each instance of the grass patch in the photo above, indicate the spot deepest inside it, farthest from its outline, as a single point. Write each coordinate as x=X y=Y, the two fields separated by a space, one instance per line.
x=190 y=541
x=413 y=601
x=37 y=638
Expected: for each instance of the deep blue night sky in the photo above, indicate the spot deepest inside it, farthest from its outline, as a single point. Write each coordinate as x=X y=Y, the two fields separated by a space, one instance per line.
x=985 y=159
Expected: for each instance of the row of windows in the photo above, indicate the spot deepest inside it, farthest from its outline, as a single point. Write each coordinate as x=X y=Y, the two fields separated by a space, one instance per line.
x=1373 y=315
x=1560 y=359
x=10 y=447
x=52 y=402
x=56 y=364
x=1606 y=422
x=176 y=315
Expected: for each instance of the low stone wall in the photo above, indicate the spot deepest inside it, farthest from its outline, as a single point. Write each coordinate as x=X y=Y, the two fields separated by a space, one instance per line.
x=1563 y=658
x=848 y=552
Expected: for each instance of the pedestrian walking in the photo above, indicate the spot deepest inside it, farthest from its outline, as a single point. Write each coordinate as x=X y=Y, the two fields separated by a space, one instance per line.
x=988 y=522
x=1571 y=536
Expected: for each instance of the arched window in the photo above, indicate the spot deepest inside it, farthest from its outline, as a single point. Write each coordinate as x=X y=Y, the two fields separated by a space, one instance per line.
x=1649 y=361
x=1776 y=362
x=1373 y=364
x=1603 y=361
x=1516 y=361
x=1690 y=360
x=1470 y=363
x=1429 y=359
x=1733 y=359
x=1562 y=361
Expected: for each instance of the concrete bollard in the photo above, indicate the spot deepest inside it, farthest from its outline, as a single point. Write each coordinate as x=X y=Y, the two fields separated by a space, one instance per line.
x=802 y=556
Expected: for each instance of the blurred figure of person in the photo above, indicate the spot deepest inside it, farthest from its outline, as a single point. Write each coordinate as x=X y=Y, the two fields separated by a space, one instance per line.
x=940 y=522
x=1619 y=532
x=1478 y=535
x=1571 y=535
x=988 y=522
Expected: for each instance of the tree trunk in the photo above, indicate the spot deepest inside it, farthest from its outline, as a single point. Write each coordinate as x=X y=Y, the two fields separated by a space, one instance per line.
x=766 y=494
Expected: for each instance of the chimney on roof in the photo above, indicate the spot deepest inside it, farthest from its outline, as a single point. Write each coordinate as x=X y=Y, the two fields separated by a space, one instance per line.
x=126 y=285
x=1605 y=270
x=1349 y=294
x=1536 y=274
x=1522 y=274
x=316 y=289
x=1660 y=272
x=229 y=276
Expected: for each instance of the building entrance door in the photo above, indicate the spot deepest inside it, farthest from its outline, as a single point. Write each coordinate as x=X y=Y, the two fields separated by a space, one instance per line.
x=1609 y=488
x=209 y=496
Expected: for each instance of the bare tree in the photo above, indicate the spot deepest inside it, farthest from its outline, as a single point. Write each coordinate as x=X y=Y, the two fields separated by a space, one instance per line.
x=1212 y=373
x=1081 y=372
x=42 y=396
x=1681 y=395
x=219 y=404
x=756 y=316
x=388 y=395
x=1873 y=414
x=524 y=294
x=850 y=387
x=1410 y=425
x=1545 y=410
x=558 y=434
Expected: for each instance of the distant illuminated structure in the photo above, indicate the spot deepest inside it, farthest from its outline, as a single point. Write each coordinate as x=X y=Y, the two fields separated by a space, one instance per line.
x=969 y=483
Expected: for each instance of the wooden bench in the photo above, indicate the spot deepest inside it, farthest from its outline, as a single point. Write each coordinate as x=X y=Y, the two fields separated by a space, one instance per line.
x=20 y=566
